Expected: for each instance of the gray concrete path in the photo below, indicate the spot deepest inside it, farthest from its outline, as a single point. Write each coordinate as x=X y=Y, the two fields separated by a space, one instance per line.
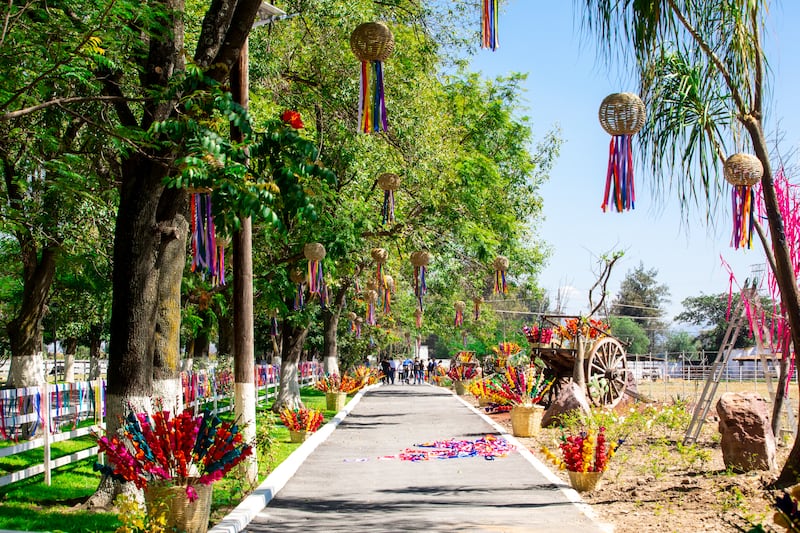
x=347 y=484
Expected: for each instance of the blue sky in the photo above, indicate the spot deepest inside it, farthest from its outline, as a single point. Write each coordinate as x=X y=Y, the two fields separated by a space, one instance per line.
x=566 y=83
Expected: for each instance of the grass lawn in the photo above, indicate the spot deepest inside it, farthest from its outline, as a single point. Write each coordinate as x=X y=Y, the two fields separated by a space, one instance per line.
x=31 y=505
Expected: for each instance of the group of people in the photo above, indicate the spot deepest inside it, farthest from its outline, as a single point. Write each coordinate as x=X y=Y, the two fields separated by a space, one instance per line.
x=408 y=371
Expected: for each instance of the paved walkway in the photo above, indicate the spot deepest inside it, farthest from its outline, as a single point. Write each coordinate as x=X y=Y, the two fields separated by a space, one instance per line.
x=347 y=484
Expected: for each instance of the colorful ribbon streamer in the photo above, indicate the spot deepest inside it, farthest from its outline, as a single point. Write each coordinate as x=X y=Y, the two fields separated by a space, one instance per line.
x=620 y=174
x=489 y=38
x=420 y=288
x=371 y=102
x=743 y=216
x=387 y=212
x=459 y=321
x=208 y=256
x=316 y=282
x=500 y=286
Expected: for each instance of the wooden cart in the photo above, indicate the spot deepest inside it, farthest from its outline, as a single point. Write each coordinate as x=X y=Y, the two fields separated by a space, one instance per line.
x=605 y=366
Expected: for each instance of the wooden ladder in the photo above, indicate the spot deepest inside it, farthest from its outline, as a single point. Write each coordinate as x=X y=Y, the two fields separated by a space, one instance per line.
x=738 y=321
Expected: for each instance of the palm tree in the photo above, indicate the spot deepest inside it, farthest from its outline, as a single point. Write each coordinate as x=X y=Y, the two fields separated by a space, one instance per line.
x=703 y=75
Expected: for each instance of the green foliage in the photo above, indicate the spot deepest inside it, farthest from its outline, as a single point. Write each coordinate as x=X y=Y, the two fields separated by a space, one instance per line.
x=710 y=312
x=631 y=333
x=642 y=298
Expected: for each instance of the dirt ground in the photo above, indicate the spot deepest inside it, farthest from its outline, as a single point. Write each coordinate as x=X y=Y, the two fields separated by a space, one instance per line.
x=655 y=484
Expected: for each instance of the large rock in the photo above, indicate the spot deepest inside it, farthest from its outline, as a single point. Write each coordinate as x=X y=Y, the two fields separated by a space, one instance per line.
x=747 y=439
x=569 y=398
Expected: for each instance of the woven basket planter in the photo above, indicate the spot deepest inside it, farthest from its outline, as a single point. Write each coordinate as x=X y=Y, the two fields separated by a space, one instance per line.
x=335 y=401
x=584 y=481
x=314 y=251
x=526 y=420
x=622 y=113
x=460 y=387
x=298 y=436
x=372 y=41
x=743 y=170
x=182 y=515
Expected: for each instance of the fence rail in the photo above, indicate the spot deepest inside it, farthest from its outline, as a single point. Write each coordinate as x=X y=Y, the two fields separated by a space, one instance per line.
x=49 y=408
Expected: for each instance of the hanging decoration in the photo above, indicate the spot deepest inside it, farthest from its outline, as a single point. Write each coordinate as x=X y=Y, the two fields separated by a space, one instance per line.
x=273 y=325
x=359 y=323
x=372 y=297
x=298 y=277
x=388 y=289
x=743 y=171
x=500 y=265
x=489 y=14
x=418 y=317
x=477 y=301
x=389 y=183
x=315 y=253
x=379 y=255
x=208 y=255
x=420 y=260
x=352 y=316
x=372 y=43
x=621 y=115
x=460 y=306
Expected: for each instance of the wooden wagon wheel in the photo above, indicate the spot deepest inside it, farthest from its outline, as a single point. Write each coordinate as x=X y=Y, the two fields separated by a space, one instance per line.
x=606 y=372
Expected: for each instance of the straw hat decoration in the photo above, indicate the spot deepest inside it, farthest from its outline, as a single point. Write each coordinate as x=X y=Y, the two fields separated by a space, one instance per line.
x=420 y=261
x=489 y=24
x=743 y=171
x=460 y=307
x=208 y=255
x=418 y=317
x=298 y=277
x=389 y=182
x=315 y=253
x=372 y=43
x=622 y=115
x=500 y=265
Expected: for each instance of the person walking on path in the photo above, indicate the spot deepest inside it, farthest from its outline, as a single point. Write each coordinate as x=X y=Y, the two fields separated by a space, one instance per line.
x=419 y=372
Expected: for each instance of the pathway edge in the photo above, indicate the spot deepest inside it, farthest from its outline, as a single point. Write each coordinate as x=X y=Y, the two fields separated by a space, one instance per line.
x=248 y=509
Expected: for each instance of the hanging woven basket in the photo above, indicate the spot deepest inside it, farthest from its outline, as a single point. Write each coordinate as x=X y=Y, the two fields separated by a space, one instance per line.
x=389 y=181
x=500 y=263
x=478 y=300
x=372 y=41
x=352 y=316
x=420 y=258
x=372 y=296
x=379 y=255
x=460 y=305
x=314 y=251
x=388 y=282
x=622 y=113
x=298 y=276
x=743 y=170
x=371 y=285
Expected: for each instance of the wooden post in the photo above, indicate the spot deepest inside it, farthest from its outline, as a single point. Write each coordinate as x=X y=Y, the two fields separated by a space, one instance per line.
x=46 y=422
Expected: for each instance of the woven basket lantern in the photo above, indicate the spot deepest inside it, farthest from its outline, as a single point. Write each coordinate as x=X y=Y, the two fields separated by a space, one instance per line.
x=352 y=316
x=298 y=276
x=371 y=285
x=622 y=113
x=372 y=41
x=420 y=259
x=314 y=251
x=372 y=296
x=389 y=181
x=388 y=282
x=744 y=170
x=500 y=263
x=460 y=305
x=379 y=255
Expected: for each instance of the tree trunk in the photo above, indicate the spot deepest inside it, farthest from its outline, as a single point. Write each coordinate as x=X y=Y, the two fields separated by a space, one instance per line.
x=225 y=339
x=330 y=321
x=289 y=389
x=94 y=358
x=69 y=359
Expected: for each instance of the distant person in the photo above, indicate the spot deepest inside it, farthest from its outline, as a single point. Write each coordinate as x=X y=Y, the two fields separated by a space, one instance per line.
x=419 y=372
x=431 y=368
x=386 y=369
x=392 y=370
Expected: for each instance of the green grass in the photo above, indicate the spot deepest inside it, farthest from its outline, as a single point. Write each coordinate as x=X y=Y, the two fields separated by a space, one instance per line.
x=30 y=505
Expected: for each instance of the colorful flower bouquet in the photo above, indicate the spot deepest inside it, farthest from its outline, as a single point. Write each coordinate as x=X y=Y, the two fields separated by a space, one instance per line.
x=588 y=451
x=301 y=419
x=365 y=375
x=519 y=386
x=462 y=372
x=183 y=449
x=538 y=335
x=337 y=383
x=589 y=328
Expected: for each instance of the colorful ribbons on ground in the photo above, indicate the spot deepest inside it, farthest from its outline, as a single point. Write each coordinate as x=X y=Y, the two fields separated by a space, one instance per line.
x=488 y=447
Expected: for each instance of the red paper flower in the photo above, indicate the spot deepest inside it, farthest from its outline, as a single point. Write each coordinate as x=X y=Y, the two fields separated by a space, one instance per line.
x=292 y=118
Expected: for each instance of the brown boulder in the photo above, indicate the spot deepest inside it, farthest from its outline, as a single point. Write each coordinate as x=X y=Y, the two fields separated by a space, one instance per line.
x=747 y=439
x=569 y=398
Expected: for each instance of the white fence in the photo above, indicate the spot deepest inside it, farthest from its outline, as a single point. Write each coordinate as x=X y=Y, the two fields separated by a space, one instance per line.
x=49 y=408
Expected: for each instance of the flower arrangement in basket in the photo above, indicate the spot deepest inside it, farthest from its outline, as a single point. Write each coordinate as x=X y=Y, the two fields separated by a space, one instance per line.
x=439 y=375
x=301 y=419
x=539 y=336
x=365 y=375
x=520 y=386
x=482 y=389
x=587 y=451
x=183 y=449
x=505 y=350
x=337 y=383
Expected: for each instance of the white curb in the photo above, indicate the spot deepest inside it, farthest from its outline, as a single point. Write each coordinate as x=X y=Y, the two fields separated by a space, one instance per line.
x=571 y=494
x=243 y=514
